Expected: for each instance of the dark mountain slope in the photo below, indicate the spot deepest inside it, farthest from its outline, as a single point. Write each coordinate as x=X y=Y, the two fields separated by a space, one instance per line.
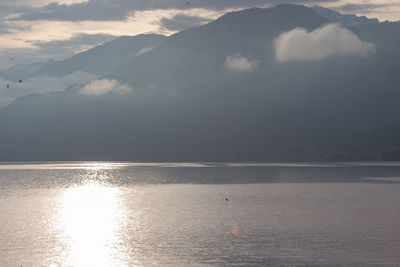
x=186 y=106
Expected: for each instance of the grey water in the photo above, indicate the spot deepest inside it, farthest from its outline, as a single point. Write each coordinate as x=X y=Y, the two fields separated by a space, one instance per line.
x=199 y=214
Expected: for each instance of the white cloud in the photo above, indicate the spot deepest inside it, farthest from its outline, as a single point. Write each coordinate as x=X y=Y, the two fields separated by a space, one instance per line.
x=324 y=42
x=145 y=50
x=239 y=63
x=103 y=87
x=40 y=84
x=28 y=34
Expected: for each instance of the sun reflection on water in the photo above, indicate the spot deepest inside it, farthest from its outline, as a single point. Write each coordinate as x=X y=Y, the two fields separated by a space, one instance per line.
x=92 y=217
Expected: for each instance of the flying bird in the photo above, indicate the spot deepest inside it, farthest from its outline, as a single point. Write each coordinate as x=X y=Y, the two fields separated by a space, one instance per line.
x=12 y=58
x=20 y=81
x=8 y=86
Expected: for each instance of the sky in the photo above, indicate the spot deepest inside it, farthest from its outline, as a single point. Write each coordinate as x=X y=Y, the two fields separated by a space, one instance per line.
x=37 y=30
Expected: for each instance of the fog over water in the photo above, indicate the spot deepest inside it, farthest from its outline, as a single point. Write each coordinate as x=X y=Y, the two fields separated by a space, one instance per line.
x=178 y=214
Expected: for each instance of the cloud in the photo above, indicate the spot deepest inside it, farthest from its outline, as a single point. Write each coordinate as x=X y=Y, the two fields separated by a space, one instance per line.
x=145 y=50
x=7 y=10
x=103 y=87
x=119 y=9
x=103 y=10
x=41 y=84
x=4 y=28
x=100 y=10
x=238 y=63
x=54 y=49
x=38 y=3
x=42 y=40
x=362 y=8
x=92 y=10
x=7 y=13
x=324 y=42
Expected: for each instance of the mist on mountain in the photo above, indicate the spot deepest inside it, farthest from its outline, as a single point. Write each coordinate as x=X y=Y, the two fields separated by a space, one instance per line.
x=220 y=92
x=82 y=68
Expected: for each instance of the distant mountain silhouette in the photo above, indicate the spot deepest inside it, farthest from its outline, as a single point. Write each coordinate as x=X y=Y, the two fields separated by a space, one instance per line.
x=23 y=71
x=200 y=52
x=98 y=60
x=218 y=93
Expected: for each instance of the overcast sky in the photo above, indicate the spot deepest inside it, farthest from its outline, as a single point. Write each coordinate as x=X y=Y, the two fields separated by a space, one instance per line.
x=36 y=30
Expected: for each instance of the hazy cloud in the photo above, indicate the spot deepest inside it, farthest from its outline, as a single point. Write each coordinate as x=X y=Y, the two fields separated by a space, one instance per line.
x=41 y=84
x=6 y=15
x=4 y=27
x=92 y=10
x=7 y=10
x=239 y=63
x=327 y=41
x=57 y=49
x=119 y=9
x=361 y=8
x=78 y=10
x=103 y=87
x=145 y=50
x=38 y=3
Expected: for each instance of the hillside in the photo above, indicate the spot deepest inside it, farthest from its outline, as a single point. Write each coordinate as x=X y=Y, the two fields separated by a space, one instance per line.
x=220 y=92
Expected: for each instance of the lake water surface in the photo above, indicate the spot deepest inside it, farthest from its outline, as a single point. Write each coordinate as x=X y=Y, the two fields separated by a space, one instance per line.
x=199 y=214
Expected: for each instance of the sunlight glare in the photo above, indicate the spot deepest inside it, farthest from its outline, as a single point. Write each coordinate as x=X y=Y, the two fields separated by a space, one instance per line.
x=92 y=216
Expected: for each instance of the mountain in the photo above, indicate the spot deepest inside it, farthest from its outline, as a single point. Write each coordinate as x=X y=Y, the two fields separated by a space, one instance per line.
x=104 y=58
x=198 y=54
x=23 y=71
x=55 y=76
x=98 y=60
x=219 y=93
x=343 y=19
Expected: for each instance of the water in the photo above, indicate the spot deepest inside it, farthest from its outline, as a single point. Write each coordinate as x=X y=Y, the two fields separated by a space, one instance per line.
x=141 y=214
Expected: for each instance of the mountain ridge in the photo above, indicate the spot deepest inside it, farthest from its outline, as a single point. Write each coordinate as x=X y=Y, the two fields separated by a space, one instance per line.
x=97 y=60
x=346 y=20
x=186 y=105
